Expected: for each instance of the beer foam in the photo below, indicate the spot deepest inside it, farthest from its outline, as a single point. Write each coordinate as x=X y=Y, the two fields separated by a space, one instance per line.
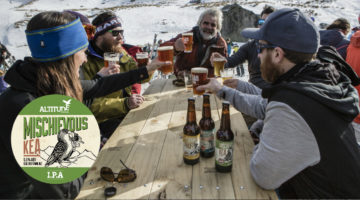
x=219 y=59
x=187 y=34
x=114 y=59
x=165 y=48
x=199 y=70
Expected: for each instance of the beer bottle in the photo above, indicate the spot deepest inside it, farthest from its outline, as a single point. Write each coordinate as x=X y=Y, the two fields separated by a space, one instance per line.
x=224 y=142
x=207 y=126
x=191 y=137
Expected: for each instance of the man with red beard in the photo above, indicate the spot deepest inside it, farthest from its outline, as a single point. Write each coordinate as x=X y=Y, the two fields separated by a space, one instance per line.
x=111 y=109
x=206 y=35
x=307 y=147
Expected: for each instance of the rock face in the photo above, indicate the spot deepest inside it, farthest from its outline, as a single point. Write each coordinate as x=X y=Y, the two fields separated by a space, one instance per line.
x=235 y=20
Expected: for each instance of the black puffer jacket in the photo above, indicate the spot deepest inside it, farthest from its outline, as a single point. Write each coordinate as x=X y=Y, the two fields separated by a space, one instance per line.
x=14 y=182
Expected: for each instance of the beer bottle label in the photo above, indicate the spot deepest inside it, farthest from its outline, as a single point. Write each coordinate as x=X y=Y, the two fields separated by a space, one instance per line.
x=191 y=147
x=224 y=153
x=207 y=141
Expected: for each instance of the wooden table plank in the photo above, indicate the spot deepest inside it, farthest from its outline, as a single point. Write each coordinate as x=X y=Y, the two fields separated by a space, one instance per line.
x=126 y=136
x=144 y=156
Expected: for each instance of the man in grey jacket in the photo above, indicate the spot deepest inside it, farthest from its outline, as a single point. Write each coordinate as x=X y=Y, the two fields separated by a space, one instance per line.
x=307 y=147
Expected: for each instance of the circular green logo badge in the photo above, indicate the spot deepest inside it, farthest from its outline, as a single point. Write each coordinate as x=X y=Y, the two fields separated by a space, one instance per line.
x=55 y=139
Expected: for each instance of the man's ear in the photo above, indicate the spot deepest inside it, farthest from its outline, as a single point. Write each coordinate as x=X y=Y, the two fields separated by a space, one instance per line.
x=278 y=55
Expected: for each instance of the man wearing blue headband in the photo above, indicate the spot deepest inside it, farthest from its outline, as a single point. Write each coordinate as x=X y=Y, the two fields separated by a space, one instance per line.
x=109 y=37
x=307 y=148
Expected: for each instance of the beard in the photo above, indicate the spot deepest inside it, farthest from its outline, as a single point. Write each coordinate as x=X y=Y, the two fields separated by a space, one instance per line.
x=108 y=46
x=206 y=34
x=269 y=71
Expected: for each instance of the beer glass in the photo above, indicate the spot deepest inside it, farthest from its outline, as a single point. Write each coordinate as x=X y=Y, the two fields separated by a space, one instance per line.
x=142 y=58
x=227 y=73
x=218 y=65
x=188 y=80
x=166 y=53
x=188 y=41
x=199 y=77
x=111 y=58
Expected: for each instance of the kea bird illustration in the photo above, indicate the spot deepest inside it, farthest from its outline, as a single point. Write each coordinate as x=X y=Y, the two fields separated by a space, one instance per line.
x=66 y=145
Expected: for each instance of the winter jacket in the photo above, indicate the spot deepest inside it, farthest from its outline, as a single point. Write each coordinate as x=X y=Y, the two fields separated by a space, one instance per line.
x=114 y=105
x=14 y=182
x=307 y=146
x=353 y=59
x=201 y=52
x=248 y=52
x=335 y=38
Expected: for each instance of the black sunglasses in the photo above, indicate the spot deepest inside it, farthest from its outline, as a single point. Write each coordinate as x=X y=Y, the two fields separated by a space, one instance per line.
x=211 y=24
x=260 y=47
x=115 y=33
x=124 y=176
x=261 y=22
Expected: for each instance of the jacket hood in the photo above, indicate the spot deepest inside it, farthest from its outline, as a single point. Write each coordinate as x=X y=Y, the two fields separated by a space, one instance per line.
x=331 y=37
x=355 y=39
x=22 y=75
x=323 y=83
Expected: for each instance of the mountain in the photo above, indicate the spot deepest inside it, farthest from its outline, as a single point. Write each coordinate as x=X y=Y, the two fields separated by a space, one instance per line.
x=143 y=18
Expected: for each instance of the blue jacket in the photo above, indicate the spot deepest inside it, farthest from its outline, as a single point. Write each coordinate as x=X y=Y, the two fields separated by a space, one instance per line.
x=335 y=38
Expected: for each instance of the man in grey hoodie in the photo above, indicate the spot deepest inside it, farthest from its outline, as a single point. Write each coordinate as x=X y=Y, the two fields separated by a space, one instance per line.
x=307 y=147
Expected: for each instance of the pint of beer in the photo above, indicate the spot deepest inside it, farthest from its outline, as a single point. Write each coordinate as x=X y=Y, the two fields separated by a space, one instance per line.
x=199 y=77
x=227 y=73
x=142 y=58
x=166 y=53
x=218 y=65
x=111 y=58
x=188 y=41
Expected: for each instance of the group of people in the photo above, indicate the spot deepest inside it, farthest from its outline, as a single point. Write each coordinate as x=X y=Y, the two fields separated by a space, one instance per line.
x=306 y=145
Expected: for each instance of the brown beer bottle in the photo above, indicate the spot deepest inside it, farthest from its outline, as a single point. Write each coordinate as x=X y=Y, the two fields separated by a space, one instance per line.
x=191 y=137
x=207 y=126
x=224 y=142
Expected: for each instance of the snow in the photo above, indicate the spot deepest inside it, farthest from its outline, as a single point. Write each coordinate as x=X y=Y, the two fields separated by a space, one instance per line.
x=143 y=18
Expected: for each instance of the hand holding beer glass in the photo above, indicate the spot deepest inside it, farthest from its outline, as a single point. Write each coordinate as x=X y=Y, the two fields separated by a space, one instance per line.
x=111 y=58
x=218 y=62
x=199 y=77
x=188 y=41
x=166 y=54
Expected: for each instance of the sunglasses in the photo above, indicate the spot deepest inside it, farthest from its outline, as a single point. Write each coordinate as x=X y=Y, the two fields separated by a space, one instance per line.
x=208 y=23
x=260 y=47
x=115 y=33
x=124 y=176
x=261 y=22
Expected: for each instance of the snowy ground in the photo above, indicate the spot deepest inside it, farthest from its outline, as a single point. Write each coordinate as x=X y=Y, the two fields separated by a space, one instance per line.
x=143 y=18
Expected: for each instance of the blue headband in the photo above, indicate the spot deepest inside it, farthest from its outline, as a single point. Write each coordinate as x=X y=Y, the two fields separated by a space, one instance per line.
x=58 y=42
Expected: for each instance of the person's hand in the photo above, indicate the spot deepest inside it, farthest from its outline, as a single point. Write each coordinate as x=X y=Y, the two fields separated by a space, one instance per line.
x=216 y=55
x=213 y=86
x=155 y=64
x=111 y=69
x=179 y=45
x=231 y=83
x=135 y=100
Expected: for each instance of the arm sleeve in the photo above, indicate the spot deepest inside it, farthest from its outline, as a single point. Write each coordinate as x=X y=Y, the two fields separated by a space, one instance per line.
x=248 y=88
x=239 y=57
x=106 y=108
x=287 y=146
x=250 y=104
x=106 y=85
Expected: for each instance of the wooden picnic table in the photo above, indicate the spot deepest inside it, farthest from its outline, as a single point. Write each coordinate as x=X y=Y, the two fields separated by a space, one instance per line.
x=149 y=140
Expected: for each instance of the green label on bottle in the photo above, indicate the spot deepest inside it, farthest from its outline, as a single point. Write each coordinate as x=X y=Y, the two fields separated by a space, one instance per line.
x=207 y=141
x=191 y=147
x=224 y=153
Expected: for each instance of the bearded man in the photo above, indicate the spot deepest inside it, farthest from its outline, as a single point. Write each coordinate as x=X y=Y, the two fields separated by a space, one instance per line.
x=307 y=147
x=206 y=39
x=111 y=109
